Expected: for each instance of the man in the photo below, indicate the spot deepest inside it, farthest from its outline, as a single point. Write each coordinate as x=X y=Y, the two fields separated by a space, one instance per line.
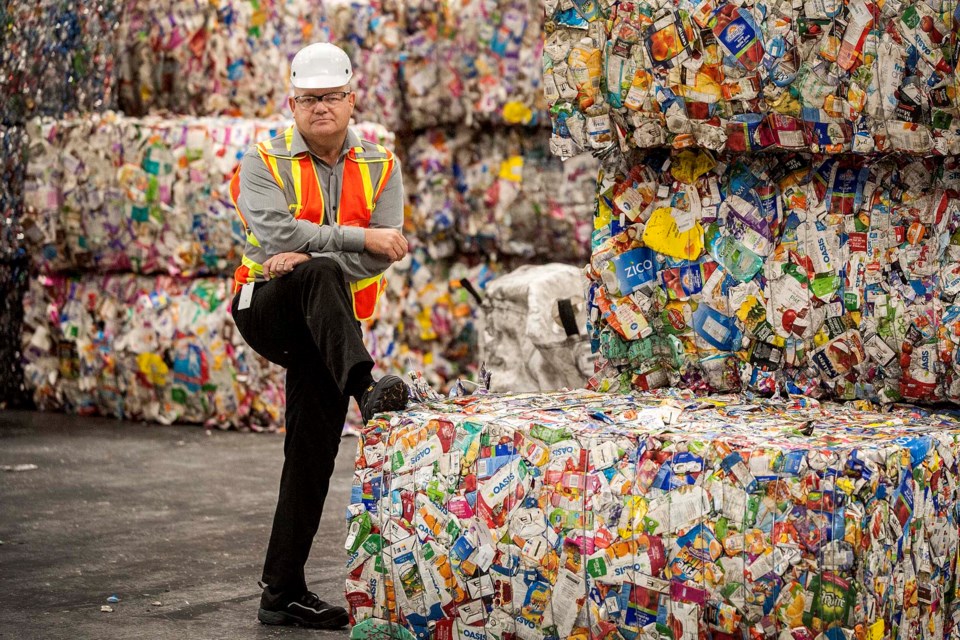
x=323 y=212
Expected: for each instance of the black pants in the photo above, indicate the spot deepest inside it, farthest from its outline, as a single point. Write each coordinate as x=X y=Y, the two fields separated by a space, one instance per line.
x=304 y=322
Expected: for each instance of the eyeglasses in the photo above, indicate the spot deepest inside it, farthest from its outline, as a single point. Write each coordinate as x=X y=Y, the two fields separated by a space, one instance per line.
x=329 y=99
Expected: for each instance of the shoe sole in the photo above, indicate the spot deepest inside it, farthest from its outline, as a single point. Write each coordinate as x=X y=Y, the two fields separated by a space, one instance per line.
x=282 y=618
x=394 y=398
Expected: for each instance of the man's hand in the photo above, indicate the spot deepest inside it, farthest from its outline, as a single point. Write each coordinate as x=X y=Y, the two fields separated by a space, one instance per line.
x=389 y=243
x=282 y=264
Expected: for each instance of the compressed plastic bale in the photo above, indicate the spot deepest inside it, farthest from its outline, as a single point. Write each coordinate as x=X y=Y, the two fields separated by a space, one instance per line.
x=858 y=77
x=473 y=64
x=14 y=275
x=198 y=59
x=234 y=58
x=13 y=150
x=149 y=195
x=426 y=321
x=551 y=515
x=57 y=58
x=415 y=66
x=828 y=276
x=532 y=335
x=370 y=34
x=138 y=348
x=14 y=262
x=499 y=192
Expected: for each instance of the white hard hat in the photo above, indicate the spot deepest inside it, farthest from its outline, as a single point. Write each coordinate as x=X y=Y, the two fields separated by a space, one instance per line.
x=320 y=66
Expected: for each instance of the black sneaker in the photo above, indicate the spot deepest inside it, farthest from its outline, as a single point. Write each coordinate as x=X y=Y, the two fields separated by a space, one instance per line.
x=306 y=610
x=389 y=393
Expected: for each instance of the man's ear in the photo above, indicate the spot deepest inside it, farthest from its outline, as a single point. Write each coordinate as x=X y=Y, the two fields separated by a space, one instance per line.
x=292 y=103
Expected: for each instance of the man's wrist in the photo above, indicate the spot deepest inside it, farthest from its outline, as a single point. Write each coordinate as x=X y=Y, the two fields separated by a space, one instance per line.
x=354 y=239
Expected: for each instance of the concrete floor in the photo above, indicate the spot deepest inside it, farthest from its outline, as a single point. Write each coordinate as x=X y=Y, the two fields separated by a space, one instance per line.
x=174 y=515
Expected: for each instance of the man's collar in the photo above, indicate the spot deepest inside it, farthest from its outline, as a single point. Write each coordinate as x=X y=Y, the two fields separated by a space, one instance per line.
x=298 y=145
x=352 y=140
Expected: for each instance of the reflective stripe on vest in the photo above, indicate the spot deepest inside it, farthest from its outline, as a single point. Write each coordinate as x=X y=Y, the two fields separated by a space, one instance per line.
x=300 y=183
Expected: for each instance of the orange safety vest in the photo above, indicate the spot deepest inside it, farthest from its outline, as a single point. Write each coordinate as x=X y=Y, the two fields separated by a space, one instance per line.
x=365 y=173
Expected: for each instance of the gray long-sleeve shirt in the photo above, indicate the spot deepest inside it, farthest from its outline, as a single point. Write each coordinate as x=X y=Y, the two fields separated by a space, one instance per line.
x=265 y=207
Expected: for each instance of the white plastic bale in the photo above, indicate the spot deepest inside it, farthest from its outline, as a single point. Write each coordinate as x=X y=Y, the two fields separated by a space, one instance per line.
x=523 y=340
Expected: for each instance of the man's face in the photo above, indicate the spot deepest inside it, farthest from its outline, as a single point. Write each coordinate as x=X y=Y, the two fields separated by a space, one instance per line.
x=324 y=118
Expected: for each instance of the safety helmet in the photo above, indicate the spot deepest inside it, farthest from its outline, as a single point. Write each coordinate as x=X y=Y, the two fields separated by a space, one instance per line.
x=320 y=65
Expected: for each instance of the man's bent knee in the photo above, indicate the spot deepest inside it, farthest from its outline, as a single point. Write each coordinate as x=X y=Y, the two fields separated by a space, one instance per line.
x=322 y=267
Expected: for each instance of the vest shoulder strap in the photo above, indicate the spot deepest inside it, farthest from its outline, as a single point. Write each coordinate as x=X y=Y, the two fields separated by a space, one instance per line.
x=369 y=152
x=279 y=145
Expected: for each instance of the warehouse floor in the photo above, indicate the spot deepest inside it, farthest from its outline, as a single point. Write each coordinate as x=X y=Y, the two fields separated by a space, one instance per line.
x=151 y=514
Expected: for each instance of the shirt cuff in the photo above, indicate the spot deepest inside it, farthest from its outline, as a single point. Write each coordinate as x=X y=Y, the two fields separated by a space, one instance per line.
x=353 y=239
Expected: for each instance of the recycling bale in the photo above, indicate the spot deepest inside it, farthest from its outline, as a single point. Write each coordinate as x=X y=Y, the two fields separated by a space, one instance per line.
x=110 y=193
x=499 y=192
x=472 y=64
x=426 y=320
x=58 y=58
x=233 y=58
x=161 y=349
x=825 y=77
x=654 y=515
x=829 y=276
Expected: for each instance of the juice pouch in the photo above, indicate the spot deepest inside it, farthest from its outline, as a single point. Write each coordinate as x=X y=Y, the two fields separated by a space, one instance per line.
x=703 y=13
x=719 y=331
x=787 y=131
x=619 y=72
x=789 y=309
x=748 y=225
x=638 y=190
x=921 y=27
x=677 y=319
x=669 y=39
x=845 y=195
x=695 y=87
x=589 y=9
x=585 y=64
x=640 y=94
x=738 y=34
x=822 y=8
x=783 y=71
x=674 y=232
x=832 y=598
x=628 y=319
x=736 y=259
x=687 y=280
x=839 y=356
x=621 y=63
x=860 y=18
x=829 y=137
x=635 y=269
